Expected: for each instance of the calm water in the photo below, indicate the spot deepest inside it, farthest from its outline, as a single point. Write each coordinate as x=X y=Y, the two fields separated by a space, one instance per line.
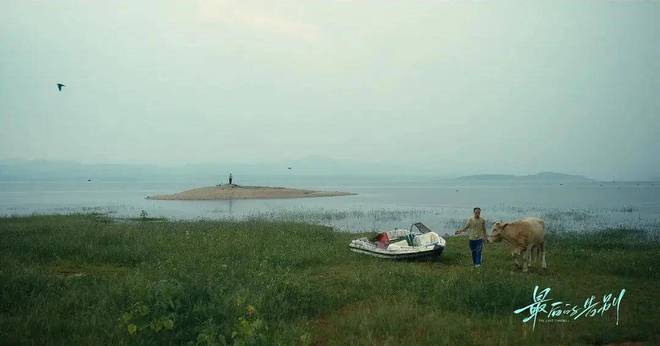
x=381 y=202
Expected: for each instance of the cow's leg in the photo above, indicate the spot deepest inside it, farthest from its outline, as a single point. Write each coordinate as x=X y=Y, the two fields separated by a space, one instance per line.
x=516 y=257
x=537 y=255
x=543 y=265
x=526 y=258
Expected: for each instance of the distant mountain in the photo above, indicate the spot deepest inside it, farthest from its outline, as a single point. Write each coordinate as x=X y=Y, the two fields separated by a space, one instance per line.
x=13 y=170
x=319 y=165
x=539 y=177
x=70 y=170
x=312 y=166
x=488 y=177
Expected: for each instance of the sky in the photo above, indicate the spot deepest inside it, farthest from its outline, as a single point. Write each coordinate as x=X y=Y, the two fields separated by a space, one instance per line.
x=458 y=87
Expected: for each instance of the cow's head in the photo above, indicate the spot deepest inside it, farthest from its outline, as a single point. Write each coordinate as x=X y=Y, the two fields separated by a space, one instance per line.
x=496 y=233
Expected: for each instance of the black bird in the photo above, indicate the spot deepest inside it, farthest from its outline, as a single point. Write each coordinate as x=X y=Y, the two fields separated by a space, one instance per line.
x=289 y=167
x=59 y=86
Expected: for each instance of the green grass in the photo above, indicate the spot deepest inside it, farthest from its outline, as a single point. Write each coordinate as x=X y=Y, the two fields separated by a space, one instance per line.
x=84 y=279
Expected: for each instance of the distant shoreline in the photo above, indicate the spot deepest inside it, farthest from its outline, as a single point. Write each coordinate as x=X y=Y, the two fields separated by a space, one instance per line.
x=539 y=177
x=233 y=191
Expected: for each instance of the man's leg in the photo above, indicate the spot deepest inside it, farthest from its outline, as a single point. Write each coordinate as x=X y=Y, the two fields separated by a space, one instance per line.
x=473 y=250
x=479 y=247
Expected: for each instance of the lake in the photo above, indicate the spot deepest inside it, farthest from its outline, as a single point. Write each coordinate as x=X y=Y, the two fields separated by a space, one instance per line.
x=381 y=203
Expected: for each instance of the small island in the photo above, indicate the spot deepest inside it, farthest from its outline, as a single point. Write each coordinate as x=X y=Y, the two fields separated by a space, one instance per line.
x=233 y=191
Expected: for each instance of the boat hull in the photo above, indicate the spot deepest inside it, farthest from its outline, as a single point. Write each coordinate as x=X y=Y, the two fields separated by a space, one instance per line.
x=436 y=251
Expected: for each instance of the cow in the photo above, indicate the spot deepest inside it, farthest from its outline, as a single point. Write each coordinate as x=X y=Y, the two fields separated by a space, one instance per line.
x=524 y=235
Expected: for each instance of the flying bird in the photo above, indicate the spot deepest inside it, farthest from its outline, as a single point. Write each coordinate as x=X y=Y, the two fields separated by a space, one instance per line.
x=59 y=86
x=289 y=167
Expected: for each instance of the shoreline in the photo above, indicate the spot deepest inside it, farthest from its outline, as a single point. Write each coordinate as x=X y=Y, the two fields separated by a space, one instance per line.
x=233 y=191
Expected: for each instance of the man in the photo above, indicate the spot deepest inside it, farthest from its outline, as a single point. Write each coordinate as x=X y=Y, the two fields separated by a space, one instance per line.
x=477 y=235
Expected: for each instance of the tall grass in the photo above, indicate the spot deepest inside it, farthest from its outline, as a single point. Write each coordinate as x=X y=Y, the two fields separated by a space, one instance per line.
x=84 y=279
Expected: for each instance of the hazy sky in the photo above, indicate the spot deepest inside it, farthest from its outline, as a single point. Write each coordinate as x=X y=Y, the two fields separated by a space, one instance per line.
x=467 y=87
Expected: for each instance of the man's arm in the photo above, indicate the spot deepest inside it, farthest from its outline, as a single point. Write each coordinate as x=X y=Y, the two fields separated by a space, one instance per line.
x=462 y=229
x=483 y=228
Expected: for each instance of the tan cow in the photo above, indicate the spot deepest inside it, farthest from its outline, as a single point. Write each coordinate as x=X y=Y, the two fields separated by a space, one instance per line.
x=524 y=235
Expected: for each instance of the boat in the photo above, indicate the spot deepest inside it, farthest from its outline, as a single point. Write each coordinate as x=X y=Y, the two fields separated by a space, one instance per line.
x=417 y=242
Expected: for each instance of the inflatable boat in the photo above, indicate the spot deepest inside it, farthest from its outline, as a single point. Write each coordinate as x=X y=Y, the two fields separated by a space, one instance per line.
x=417 y=242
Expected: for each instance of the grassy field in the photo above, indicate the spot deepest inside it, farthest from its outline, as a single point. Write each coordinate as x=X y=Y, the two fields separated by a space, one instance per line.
x=86 y=279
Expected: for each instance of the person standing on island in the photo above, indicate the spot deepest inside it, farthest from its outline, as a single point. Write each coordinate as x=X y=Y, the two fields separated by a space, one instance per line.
x=230 y=178
x=476 y=226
